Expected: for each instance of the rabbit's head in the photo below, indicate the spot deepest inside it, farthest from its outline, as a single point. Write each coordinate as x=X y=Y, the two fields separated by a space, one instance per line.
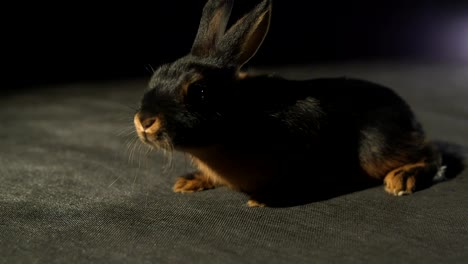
x=181 y=106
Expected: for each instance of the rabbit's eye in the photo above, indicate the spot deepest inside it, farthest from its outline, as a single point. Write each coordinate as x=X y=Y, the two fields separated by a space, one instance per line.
x=196 y=93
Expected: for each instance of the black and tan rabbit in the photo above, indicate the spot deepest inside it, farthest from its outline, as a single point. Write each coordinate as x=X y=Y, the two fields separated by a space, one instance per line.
x=277 y=140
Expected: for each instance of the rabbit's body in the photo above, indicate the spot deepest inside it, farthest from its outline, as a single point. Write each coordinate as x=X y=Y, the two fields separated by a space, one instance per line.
x=276 y=145
x=278 y=140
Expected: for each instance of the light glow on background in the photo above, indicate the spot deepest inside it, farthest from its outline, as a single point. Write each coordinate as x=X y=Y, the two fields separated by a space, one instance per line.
x=457 y=39
x=452 y=39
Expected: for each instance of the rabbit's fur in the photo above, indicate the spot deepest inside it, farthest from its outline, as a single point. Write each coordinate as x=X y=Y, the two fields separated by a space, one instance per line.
x=279 y=141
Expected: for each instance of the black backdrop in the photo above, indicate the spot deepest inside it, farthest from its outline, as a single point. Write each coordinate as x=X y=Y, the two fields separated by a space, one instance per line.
x=80 y=41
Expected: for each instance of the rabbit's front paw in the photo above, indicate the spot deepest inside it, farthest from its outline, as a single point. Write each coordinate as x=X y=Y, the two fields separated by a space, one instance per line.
x=255 y=203
x=192 y=182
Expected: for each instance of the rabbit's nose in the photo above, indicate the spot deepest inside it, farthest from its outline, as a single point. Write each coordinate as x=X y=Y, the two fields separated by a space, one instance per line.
x=147 y=124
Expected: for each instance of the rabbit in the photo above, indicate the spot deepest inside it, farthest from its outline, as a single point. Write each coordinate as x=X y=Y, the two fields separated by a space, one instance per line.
x=277 y=140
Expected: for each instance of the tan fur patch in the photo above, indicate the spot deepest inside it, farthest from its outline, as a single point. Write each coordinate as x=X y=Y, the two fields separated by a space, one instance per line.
x=137 y=123
x=242 y=75
x=378 y=170
x=209 y=173
x=233 y=167
x=198 y=183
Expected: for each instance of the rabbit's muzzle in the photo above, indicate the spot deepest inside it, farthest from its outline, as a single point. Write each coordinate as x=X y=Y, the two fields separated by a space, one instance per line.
x=147 y=127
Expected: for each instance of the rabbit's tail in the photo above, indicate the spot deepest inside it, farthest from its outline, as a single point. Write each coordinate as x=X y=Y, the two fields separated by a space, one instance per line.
x=448 y=158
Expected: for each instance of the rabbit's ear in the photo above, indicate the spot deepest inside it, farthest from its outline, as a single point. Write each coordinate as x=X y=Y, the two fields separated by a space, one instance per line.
x=212 y=26
x=243 y=39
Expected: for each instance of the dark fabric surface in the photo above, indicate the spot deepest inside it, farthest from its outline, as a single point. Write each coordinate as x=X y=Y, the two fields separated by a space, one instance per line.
x=75 y=187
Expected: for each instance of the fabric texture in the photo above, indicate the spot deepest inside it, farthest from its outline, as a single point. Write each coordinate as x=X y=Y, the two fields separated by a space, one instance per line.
x=77 y=187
